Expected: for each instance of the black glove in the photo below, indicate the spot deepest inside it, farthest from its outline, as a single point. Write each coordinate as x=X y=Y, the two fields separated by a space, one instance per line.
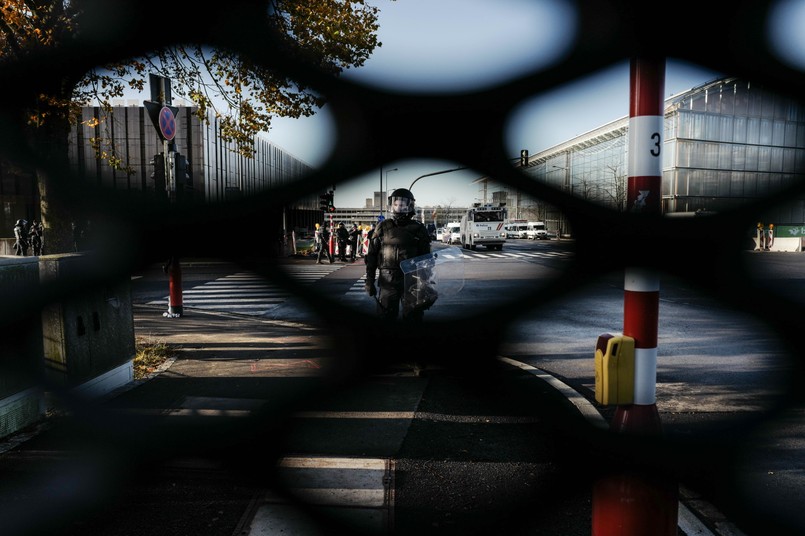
x=370 y=287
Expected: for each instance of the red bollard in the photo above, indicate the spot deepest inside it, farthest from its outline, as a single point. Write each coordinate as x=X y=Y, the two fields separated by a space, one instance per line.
x=175 y=285
x=629 y=501
x=634 y=503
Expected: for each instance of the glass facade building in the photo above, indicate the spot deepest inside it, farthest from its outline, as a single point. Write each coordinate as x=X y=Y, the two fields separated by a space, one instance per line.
x=725 y=142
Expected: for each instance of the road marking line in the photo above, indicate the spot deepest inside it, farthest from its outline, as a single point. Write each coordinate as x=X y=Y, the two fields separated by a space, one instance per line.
x=582 y=404
x=425 y=416
x=690 y=524
x=328 y=462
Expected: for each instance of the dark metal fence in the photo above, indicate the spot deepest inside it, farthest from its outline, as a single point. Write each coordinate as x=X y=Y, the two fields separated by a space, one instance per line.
x=725 y=36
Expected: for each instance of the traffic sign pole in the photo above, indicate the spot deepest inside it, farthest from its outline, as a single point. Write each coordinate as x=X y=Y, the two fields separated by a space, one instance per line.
x=331 y=245
x=163 y=116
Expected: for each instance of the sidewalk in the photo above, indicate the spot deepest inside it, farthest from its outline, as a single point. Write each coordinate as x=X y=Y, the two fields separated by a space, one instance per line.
x=248 y=420
x=163 y=456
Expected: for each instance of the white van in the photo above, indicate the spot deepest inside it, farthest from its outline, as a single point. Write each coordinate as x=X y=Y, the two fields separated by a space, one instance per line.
x=452 y=233
x=516 y=229
x=536 y=231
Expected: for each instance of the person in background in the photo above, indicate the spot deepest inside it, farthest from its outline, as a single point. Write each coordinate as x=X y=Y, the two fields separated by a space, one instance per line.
x=354 y=237
x=78 y=235
x=37 y=238
x=342 y=235
x=316 y=239
x=21 y=238
x=324 y=239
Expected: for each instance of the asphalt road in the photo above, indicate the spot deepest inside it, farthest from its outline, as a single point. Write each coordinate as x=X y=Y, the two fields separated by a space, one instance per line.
x=722 y=376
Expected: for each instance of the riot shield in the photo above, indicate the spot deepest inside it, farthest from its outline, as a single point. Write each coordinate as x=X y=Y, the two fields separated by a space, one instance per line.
x=431 y=276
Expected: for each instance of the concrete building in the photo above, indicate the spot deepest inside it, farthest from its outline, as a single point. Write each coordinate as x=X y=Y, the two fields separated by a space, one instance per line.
x=215 y=171
x=214 y=167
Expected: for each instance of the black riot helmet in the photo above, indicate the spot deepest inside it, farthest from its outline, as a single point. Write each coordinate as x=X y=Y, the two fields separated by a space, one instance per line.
x=401 y=202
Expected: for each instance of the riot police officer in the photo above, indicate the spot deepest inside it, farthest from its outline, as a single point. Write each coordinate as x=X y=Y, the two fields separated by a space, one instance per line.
x=394 y=240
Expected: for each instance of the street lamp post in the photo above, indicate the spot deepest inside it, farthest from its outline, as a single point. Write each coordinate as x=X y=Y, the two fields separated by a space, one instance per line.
x=568 y=187
x=383 y=190
x=434 y=173
x=443 y=171
x=386 y=191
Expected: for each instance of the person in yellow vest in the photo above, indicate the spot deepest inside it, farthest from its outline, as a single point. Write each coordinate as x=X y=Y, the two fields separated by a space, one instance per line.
x=324 y=240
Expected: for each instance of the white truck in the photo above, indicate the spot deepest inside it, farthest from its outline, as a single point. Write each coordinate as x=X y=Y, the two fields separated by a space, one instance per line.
x=482 y=225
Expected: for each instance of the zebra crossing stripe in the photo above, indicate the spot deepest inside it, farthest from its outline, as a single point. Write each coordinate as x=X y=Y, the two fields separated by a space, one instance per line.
x=225 y=284
x=366 y=474
x=220 y=294
x=240 y=292
x=246 y=292
x=252 y=294
x=361 y=488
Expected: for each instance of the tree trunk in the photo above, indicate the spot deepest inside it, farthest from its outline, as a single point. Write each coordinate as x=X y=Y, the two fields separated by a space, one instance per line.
x=57 y=219
x=53 y=176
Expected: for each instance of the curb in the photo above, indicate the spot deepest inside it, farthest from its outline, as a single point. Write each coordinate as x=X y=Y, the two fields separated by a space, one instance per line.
x=696 y=516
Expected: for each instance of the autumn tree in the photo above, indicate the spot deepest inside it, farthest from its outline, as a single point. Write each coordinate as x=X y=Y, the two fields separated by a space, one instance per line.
x=204 y=64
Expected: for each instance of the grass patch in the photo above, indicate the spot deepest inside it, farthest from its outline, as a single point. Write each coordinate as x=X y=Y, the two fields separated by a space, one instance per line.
x=150 y=355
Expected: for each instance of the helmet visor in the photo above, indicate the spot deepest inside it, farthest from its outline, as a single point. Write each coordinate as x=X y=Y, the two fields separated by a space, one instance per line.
x=401 y=205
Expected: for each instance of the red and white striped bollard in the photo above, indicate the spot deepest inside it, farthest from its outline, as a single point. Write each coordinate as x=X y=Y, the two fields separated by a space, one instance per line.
x=631 y=502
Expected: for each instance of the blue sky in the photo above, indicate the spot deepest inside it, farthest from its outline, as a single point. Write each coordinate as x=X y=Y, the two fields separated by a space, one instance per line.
x=455 y=45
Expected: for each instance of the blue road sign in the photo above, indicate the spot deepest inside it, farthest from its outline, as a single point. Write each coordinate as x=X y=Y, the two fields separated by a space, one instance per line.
x=167 y=123
x=159 y=117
